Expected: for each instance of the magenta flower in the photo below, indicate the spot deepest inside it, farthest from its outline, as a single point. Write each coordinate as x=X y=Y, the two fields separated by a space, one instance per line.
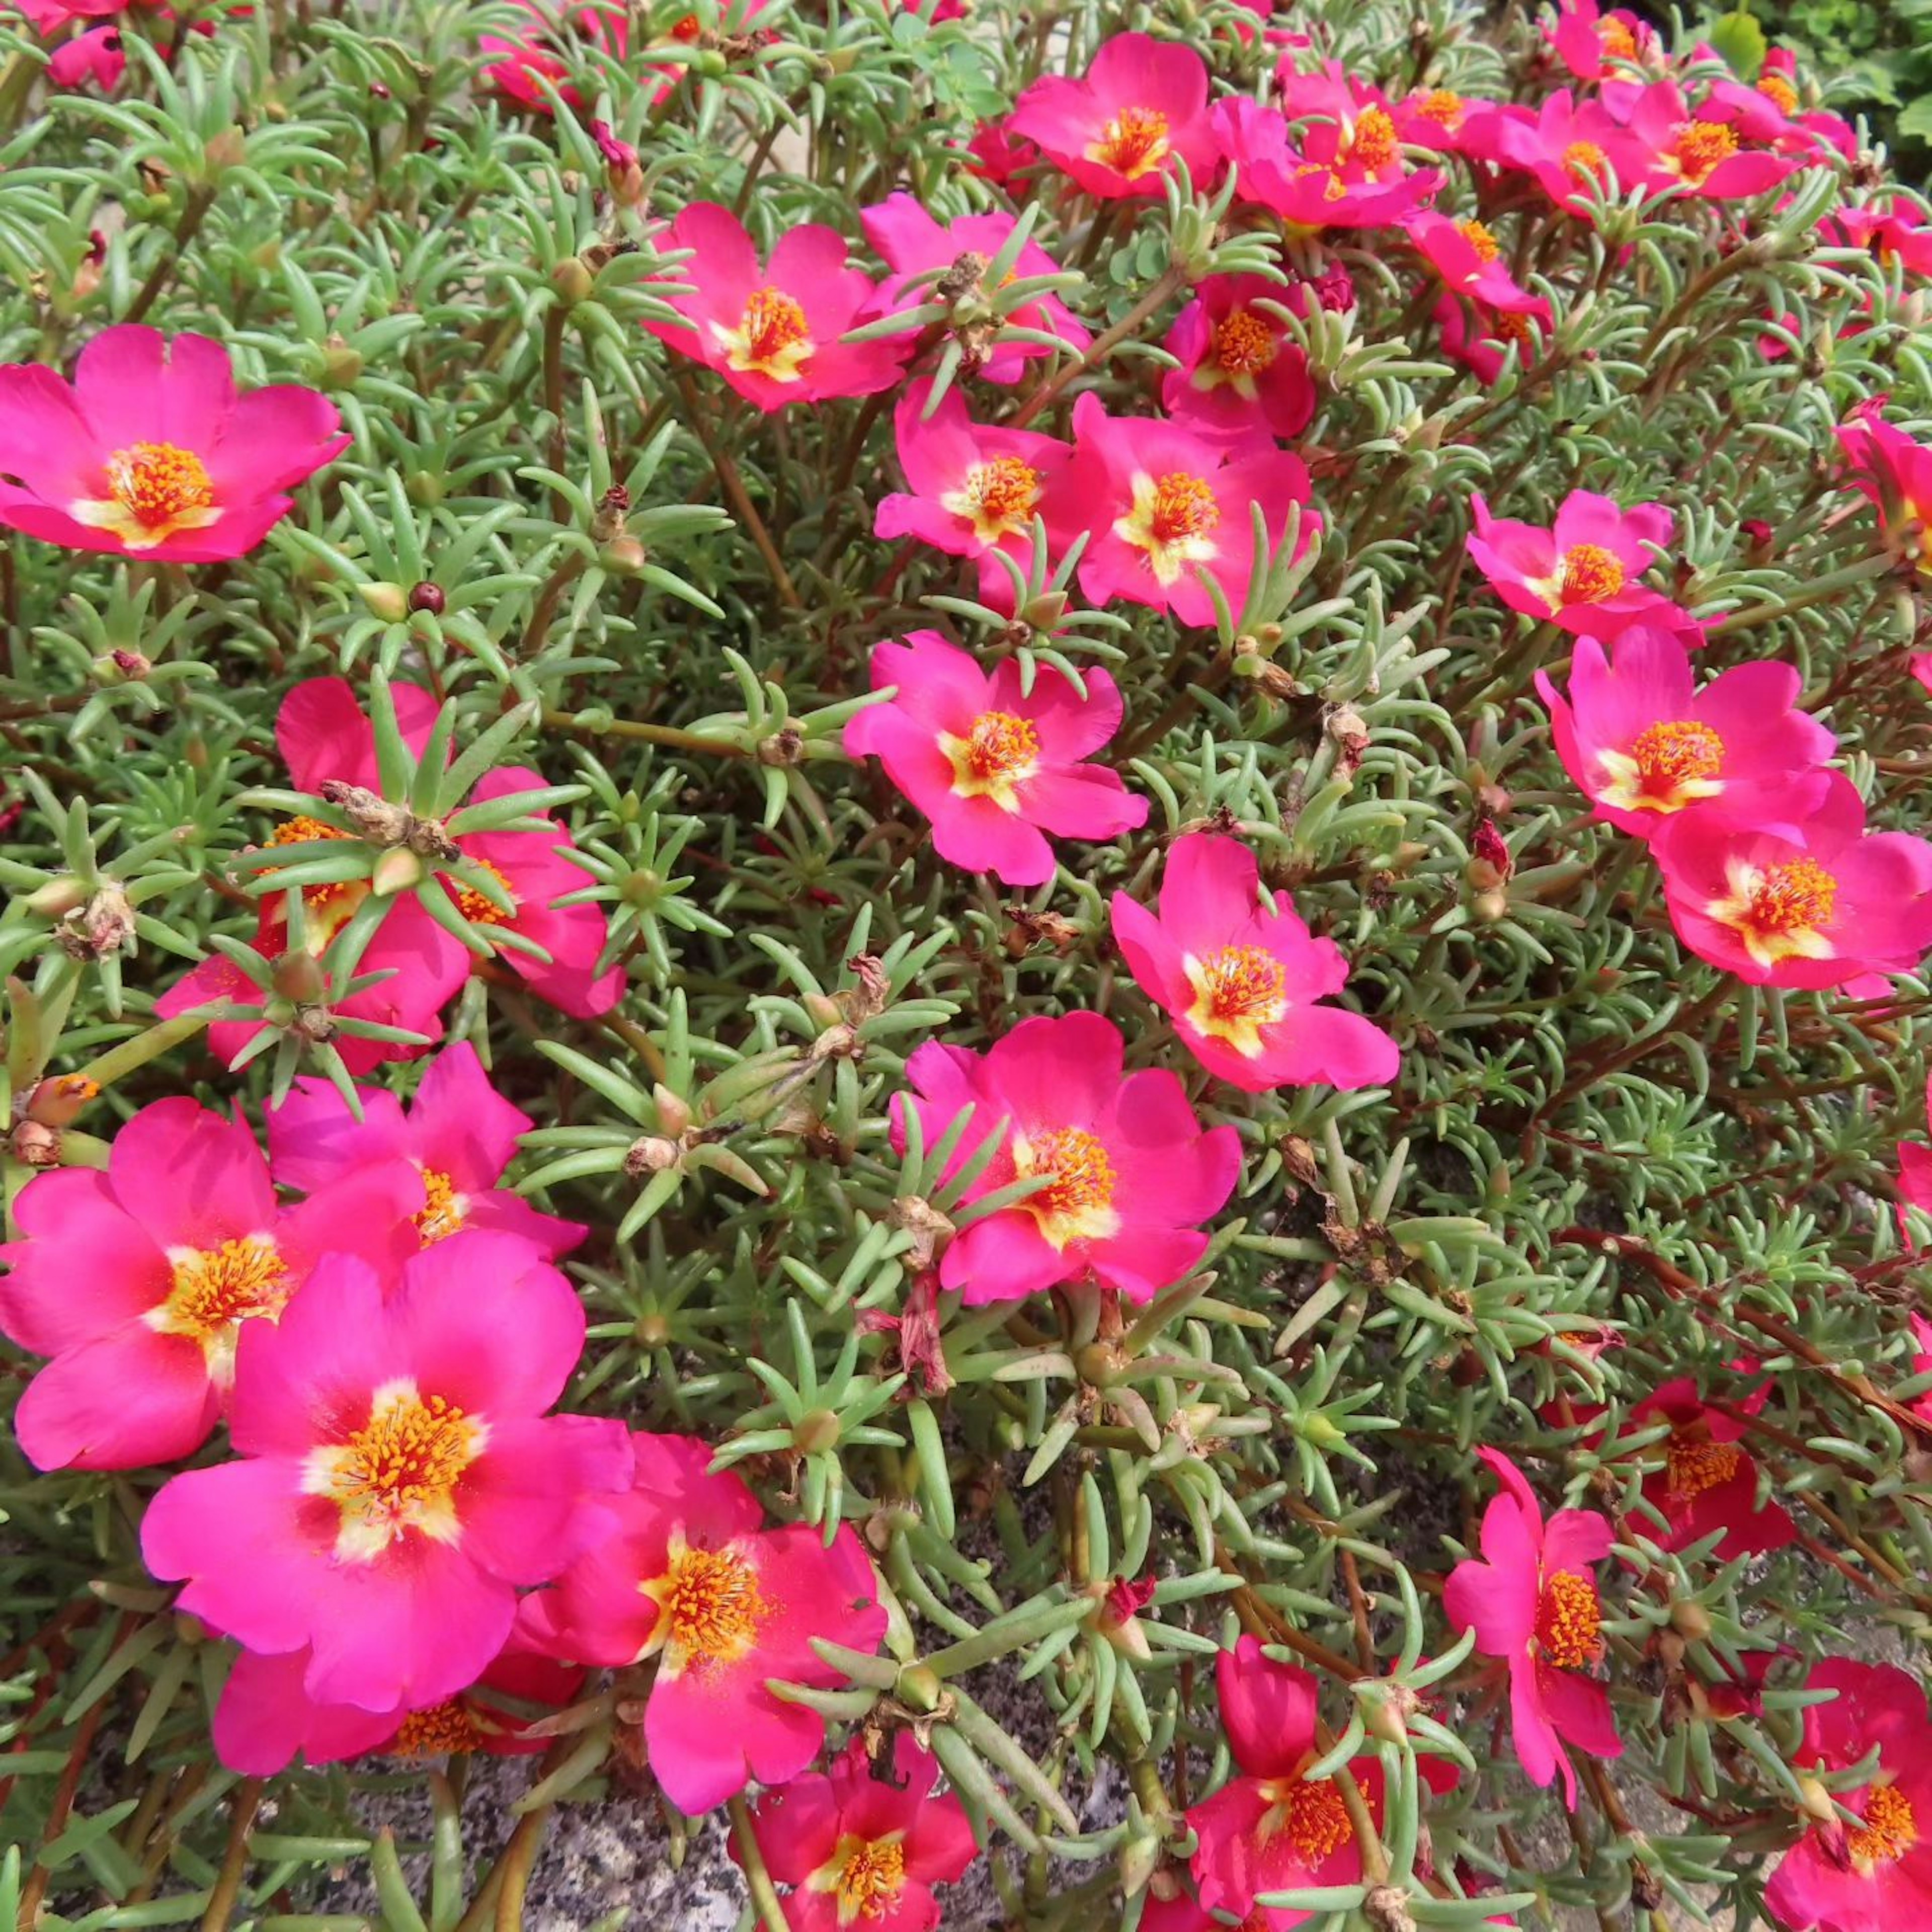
x=1240 y=376
x=1479 y=339
x=772 y=332
x=1240 y=976
x=150 y=453
x=912 y=242
x=1875 y=1876
x=1468 y=259
x=459 y=1134
x=996 y=770
x=1894 y=474
x=976 y=488
x=866 y=1848
x=396 y=1481
x=1350 y=173
x=1818 y=905
x=1531 y=1601
x=1271 y=1828
x=1585 y=574
x=1163 y=502
x=687 y=1573
x=1141 y=104
x=1708 y=1484
x=531 y=69
x=1914 y=1188
x=1696 y=151
x=1588 y=40
x=1128 y=1173
x=1644 y=744
x=1570 y=145
x=139 y=1280
x=1431 y=118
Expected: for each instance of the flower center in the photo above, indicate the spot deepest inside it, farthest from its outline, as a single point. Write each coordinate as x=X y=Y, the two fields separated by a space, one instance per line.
x=1373 y=145
x=1080 y=1173
x=476 y=906
x=1700 y=145
x=1311 y=1813
x=1889 y=1832
x=1134 y=143
x=214 y=1288
x=1513 y=327
x=1002 y=745
x=1618 y=39
x=1486 y=246
x=772 y=339
x=1697 y=1464
x=709 y=1607
x=1779 y=92
x=441 y=1211
x=1002 y=491
x=155 y=482
x=1244 y=345
x=1243 y=982
x=1583 y=159
x=871 y=1875
x=410 y=1452
x=302 y=831
x=438 y=1731
x=1675 y=752
x=1183 y=507
x=1590 y=573
x=1569 y=1620
x=1798 y=894
x=1441 y=106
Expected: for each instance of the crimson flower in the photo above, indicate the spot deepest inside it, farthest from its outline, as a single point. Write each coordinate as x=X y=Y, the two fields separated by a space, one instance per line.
x=1239 y=373
x=1709 y=1484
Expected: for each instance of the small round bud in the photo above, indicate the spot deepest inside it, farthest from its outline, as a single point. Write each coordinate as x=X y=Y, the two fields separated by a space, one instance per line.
x=572 y=281
x=652 y=1331
x=427 y=596
x=388 y=601
x=816 y=1431
x=298 y=976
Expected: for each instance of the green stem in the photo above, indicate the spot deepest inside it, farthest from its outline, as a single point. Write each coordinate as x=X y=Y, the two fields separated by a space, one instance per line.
x=757 y=1880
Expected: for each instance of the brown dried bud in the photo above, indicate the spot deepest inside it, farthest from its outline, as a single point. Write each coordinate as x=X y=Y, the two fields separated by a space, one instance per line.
x=131 y=664
x=34 y=1145
x=299 y=978
x=872 y=994
x=930 y=1229
x=229 y=149
x=1386 y=1908
x=782 y=748
x=963 y=279
x=1349 y=729
x=607 y=521
x=105 y=925
x=652 y=1154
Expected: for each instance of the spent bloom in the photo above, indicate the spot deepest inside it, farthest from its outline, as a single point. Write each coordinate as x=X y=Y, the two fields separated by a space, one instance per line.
x=1127 y=1174
x=685 y=1571
x=1239 y=372
x=1709 y=1484
x=396 y=1480
x=858 y=1847
x=150 y=452
x=1242 y=977
x=139 y=1280
x=999 y=772
x=1585 y=573
x=1644 y=744
x=1531 y=1600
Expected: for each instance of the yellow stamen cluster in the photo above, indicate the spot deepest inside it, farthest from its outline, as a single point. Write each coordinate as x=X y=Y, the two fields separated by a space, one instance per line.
x=712 y=1605
x=1373 y=145
x=1183 y=506
x=1244 y=345
x=1696 y=1465
x=1674 y=751
x=1798 y=894
x=1569 y=1620
x=438 y=1731
x=155 y=482
x=1000 y=744
x=1590 y=573
x=410 y=1451
x=871 y=1878
x=1889 y=1832
x=1083 y=1176
x=215 y=1286
x=1133 y=141
x=441 y=1211
x=773 y=321
x=1243 y=982
x=1701 y=145
x=1486 y=246
x=474 y=906
x=1003 y=488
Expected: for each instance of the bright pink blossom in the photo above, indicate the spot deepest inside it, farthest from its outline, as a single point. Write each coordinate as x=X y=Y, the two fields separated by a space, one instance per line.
x=138 y=1280
x=1349 y=174
x=1575 y=149
x=1708 y=1483
x=1117 y=130
x=689 y=1574
x=1587 y=41
x=1694 y=150
x=1875 y=1876
x=976 y=488
x=1000 y=773
x=396 y=1480
x=1480 y=339
x=1644 y=744
x=1531 y=1600
x=863 y=1847
x=1814 y=905
x=1469 y=259
x=1241 y=375
x=1894 y=473
x=772 y=331
x=1241 y=977
x=459 y=1134
x=1431 y=118
x=1915 y=1189
x=1584 y=574
x=1272 y=1828
x=150 y=452
x=531 y=68
x=912 y=242
x=1163 y=502
x=1128 y=1173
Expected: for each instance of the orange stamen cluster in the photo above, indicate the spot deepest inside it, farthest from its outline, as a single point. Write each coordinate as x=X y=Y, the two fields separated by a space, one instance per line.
x=871 y=1878
x=1618 y=41
x=1569 y=1622
x=1000 y=744
x=1584 y=160
x=1696 y=1465
x=1244 y=345
x=1373 y=145
x=441 y=1212
x=411 y=1451
x=1676 y=750
x=215 y=1286
x=1441 y=106
x=1486 y=246
x=1889 y=1832
x=437 y=1732
x=1779 y=92
x=300 y=831
x=476 y=906
x=1316 y=1819
x=1701 y=145
x=1080 y=1175
x=773 y=321
x=1590 y=573
x=156 y=482
x=712 y=1605
x=1133 y=141
x=1510 y=327
x=1183 y=506
x=1003 y=488
x=1790 y=897
x=1243 y=982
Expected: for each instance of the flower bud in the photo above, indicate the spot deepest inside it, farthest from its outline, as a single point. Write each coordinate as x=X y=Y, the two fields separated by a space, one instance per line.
x=57 y=897
x=1139 y=1857
x=674 y=1110
x=651 y=1154
x=58 y=1100
x=429 y=597
x=341 y=365
x=816 y=1431
x=1043 y=612
x=651 y=1331
x=1690 y=1620
x=388 y=601
x=298 y=976
x=572 y=281
x=622 y=556
x=1817 y=1801
x=229 y=149
x=398 y=870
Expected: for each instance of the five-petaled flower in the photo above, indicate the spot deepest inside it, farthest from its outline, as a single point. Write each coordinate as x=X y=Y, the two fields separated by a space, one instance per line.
x=1585 y=573
x=1709 y=1484
x=1240 y=375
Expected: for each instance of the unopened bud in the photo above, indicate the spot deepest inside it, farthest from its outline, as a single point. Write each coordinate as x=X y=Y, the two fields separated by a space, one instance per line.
x=920 y=1686
x=229 y=149
x=816 y=1431
x=674 y=1110
x=782 y=748
x=652 y=1331
x=58 y=1100
x=57 y=897
x=1690 y=1620
x=429 y=597
x=398 y=870
x=622 y=556
x=572 y=281
x=341 y=365
x=1043 y=612
x=1139 y=1857
x=298 y=976
x=388 y=601
x=1817 y=1801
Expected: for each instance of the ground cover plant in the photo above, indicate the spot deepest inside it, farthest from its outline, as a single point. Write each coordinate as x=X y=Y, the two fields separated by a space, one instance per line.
x=988 y=939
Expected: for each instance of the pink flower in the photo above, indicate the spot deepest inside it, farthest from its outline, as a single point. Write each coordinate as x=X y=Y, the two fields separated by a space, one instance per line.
x=1875 y=1876
x=996 y=771
x=1708 y=1484
x=976 y=488
x=1914 y=1188
x=1163 y=502
x=689 y=1574
x=1240 y=375
x=459 y=1134
x=139 y=1280
x=1894 y=474
x=1587 y=40
x=1532 y=1601
x=1240 y=976
x=150 y=453
x=1349 y=174
x=1814 y=905
x=772 y=332
x=1468 y=259
x=1272 y=1829
x=532 y=68
x=1431 y=118
x=396 y=1481
x=1696 y=150
x=1128 y=1173
x=1117 y=131
x=1585 y=574
x=266 y=1718
x=1478 y=339
x=1644 y=744
x=859 y=1847
x=912 y=242
x=1570 y=145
